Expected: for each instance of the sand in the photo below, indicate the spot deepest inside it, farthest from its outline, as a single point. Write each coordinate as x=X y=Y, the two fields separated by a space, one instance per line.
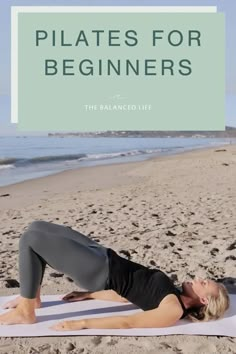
x=175 y=212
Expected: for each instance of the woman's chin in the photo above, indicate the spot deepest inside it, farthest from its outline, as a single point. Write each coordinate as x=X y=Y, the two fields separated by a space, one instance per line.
x=187 y=287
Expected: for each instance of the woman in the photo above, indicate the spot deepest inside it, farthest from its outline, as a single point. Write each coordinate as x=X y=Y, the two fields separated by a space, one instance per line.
x=106 y=276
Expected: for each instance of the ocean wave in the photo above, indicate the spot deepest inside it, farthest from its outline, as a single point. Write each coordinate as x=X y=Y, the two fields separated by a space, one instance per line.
x=75 y=158
x=8 y=161
x=54 y=158
x=2 y=167
x=21 y=162
x=17 y=162
x=105 y=156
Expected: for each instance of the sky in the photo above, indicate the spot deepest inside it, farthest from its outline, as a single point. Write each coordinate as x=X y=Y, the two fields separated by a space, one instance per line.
x=226 y=6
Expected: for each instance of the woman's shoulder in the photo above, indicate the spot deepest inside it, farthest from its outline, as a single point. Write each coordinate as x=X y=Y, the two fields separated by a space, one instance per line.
x=171 y=301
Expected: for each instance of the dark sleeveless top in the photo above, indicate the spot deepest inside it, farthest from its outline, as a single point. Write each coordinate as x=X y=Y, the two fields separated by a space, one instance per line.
x=140 y=285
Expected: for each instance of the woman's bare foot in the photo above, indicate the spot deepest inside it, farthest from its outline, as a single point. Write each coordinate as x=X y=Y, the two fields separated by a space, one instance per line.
x=15 y=302
x=23 y=314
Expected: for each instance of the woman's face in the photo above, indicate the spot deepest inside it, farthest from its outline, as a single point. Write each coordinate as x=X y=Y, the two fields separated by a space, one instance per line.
x=200 y=288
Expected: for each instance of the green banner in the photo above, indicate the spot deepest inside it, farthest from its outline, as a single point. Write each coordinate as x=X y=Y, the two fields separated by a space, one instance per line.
x=121 y=71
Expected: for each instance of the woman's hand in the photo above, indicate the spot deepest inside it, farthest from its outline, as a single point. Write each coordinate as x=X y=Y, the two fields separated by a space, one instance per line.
x=68 y=325
x=76 y=296
x=88 y=323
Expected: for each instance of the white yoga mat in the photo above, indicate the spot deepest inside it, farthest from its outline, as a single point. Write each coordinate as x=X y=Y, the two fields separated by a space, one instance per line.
x=54 y=310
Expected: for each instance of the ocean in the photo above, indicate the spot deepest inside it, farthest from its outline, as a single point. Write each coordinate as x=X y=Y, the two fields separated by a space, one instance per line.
x=28 y=157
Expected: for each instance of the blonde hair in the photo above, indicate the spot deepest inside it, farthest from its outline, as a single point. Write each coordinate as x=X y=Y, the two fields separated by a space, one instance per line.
x=215 y=309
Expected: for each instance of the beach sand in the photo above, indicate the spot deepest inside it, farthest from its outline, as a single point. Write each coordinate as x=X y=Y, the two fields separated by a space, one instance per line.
x=175 y=212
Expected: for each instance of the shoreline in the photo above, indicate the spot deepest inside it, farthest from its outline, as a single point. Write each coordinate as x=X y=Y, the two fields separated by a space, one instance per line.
x=114 y=175
x=163 y=155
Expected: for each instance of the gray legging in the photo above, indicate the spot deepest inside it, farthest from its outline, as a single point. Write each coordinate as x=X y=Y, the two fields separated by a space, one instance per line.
x=66 y=250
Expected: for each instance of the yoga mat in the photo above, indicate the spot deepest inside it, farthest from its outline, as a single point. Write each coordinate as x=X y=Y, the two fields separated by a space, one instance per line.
x=54 y=310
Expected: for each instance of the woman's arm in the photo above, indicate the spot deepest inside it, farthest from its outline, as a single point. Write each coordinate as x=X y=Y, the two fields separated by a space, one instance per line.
x=164 y=316
x=109 y=295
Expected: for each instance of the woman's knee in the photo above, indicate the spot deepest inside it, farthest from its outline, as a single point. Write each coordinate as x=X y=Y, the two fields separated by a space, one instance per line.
x=38 y=225
x=31 y=234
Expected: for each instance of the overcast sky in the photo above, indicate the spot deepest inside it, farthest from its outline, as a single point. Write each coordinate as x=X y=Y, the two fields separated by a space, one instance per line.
x=226 y=6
